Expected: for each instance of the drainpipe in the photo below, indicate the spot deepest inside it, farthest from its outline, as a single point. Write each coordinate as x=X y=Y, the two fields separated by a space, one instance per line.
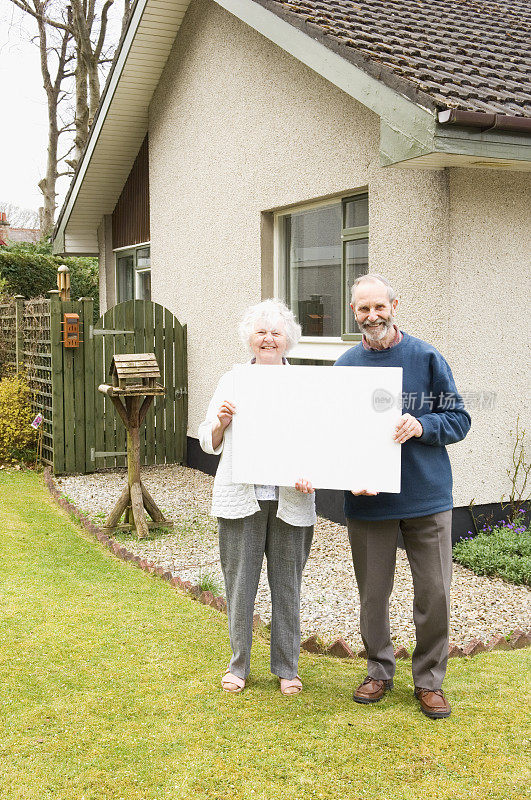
x=487 y=122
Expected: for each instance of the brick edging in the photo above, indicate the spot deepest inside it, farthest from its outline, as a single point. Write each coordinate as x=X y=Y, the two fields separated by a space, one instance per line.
x=313 y=644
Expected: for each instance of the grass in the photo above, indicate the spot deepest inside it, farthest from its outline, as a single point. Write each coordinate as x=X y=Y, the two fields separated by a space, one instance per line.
x=110 y=687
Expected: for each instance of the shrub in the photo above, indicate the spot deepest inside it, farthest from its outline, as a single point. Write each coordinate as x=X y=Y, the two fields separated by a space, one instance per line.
x=17 y=437
x=501 y=550
x=31 y=270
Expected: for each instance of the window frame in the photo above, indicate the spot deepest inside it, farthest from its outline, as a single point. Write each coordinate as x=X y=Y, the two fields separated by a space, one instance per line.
x=280 y=267
x=130 y=250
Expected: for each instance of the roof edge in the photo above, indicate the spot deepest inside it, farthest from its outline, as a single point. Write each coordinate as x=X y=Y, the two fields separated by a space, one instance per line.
x=487 y=122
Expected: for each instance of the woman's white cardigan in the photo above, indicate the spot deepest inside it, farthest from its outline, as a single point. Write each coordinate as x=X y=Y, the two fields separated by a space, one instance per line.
x=235 y=500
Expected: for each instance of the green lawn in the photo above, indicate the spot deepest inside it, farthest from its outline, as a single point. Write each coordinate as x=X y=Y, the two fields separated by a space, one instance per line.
x=110 y=689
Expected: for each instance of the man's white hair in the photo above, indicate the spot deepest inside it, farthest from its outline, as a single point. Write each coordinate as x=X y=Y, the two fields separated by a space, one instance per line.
x=374 y=278
x=270 y=312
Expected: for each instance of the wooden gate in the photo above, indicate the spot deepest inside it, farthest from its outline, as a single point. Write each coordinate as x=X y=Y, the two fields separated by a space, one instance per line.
x=86 y=432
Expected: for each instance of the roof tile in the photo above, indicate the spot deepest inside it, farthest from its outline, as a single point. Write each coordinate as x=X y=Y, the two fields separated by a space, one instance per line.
x=468 y=54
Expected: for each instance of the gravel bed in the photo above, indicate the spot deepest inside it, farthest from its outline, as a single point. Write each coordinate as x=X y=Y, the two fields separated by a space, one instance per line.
x=329 y=607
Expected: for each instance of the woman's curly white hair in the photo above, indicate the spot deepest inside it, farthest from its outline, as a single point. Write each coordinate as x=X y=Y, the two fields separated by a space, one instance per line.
x=270 y=312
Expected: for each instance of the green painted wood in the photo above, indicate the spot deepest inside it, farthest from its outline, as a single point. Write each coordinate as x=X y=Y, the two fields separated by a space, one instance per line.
x=149 y=344
x=139 y=347
x=99 y=400
x=153 y=330
x=88 y=348
x=179 y=384
x=68 y=400
x=159 y=401
x=128 y=338
x=110 y=414
x=169 y=383
x=78 y=356
x=57 y=384
x=184 y=421
x=120 y=348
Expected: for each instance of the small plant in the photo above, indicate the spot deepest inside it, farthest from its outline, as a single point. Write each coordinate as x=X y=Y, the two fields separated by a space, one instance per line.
x=519 y=474
x=209 y=583
x=17 y=437
x=501 y=550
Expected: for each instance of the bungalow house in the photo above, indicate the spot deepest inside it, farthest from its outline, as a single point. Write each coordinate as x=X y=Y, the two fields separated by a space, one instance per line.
x=250 y=148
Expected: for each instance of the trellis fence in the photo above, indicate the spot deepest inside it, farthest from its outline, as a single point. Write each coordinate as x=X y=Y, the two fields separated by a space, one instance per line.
x=25 y=344
x=80 y=429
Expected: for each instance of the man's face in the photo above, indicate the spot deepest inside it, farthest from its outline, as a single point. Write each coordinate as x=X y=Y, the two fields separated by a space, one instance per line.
x=372 y=310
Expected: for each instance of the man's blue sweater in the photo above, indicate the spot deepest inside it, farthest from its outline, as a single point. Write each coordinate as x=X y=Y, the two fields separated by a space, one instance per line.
x=430 y=394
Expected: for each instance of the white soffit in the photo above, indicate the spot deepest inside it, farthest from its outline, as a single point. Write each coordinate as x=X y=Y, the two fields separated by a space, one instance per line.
x=121 y=123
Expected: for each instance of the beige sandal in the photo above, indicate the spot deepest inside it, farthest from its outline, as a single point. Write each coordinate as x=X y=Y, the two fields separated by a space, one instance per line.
x=290 y=686
x=231 y=683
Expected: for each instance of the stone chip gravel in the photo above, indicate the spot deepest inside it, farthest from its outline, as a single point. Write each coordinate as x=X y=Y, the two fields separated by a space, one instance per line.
x=329 y=605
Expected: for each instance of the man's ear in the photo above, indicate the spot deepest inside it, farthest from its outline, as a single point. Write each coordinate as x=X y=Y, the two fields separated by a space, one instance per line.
x=395 y=303
x=352 y=306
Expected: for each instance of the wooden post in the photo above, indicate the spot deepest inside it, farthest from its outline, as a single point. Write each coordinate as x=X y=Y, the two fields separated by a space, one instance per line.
x=19 y=331
x=88 y=351
x=58 y=432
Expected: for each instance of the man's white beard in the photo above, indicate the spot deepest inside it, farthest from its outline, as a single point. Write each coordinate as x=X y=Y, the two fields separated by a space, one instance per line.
x=377 y=334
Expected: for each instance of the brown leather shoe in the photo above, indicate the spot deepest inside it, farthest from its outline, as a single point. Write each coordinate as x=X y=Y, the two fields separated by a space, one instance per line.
x=433 y=703
x=371 y=690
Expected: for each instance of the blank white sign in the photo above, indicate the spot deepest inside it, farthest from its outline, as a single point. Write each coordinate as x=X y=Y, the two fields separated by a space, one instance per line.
x=331 y=425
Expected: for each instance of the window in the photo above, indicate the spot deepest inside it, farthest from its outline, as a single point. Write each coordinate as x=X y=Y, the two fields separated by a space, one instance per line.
x=133 y=274
x=323 y=249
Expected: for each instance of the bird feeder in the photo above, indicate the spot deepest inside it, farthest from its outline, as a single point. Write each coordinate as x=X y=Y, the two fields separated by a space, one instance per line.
x=63 y=282
x=135 y=383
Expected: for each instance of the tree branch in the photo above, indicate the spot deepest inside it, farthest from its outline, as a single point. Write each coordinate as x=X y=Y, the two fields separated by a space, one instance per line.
x=39 y=15
x=103 y=29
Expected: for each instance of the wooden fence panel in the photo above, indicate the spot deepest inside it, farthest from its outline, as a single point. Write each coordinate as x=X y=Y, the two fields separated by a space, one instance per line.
x=81 y=431
x=133 y=327
x=149 y=344
x=88 y=383
x=159 y=401
x=120 y=347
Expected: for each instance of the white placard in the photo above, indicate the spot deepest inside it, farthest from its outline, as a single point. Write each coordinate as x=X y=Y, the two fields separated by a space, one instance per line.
x=331 y=425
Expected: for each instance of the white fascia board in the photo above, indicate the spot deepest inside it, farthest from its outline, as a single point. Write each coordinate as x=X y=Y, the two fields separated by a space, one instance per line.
x=391 y=106
x=100 y=120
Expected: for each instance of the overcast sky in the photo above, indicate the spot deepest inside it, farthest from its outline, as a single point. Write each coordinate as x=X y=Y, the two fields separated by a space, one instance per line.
x=23 y=128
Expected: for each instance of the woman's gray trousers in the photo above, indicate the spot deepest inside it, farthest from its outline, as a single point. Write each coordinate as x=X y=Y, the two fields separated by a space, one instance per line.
x=242 y=545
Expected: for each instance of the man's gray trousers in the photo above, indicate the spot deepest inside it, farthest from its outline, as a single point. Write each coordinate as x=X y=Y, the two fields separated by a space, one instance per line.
x=242 y=545
x=428 y=544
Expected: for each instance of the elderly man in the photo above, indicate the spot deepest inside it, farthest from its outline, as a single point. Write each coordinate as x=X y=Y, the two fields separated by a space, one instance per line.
x=422 y=511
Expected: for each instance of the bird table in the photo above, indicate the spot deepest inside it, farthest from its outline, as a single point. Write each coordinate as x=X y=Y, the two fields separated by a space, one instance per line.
x=134 y=386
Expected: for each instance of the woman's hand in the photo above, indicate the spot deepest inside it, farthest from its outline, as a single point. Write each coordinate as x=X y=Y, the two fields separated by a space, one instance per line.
x=304 y=486
x=225 y=414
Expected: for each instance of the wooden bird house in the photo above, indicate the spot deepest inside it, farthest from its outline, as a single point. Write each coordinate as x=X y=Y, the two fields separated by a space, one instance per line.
x=135 y=370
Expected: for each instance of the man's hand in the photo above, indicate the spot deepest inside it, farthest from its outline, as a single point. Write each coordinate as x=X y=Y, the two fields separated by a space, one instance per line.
x=304 y=486
x=408 y=426
x=357 y=492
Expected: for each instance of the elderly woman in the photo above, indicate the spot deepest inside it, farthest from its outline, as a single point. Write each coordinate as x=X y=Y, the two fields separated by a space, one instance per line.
x=255 y=520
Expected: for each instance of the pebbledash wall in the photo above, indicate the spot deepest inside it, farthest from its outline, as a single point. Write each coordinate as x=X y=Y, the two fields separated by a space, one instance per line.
x=237 y=129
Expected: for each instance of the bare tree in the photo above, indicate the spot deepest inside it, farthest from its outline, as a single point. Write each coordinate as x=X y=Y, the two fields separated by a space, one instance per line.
x=20 y=217
x=72 y=42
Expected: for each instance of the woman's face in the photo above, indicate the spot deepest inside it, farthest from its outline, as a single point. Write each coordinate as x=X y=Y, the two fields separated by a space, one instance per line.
x=268 y=342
